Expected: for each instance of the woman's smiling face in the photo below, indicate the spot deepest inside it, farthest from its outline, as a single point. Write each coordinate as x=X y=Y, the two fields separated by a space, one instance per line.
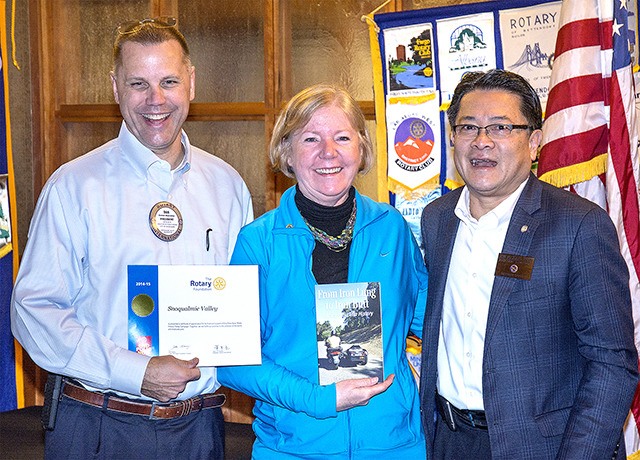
x=326 y=156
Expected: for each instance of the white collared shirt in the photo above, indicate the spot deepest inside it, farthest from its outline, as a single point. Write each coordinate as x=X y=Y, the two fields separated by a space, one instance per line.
x=70 y=304
x=466 y=300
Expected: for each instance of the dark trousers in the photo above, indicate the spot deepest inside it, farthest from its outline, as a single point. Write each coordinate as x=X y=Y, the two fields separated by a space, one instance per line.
x=465 y=443
x=87 y=432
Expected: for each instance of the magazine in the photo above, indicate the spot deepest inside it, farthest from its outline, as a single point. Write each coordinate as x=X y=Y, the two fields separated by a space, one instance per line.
x=349 y=331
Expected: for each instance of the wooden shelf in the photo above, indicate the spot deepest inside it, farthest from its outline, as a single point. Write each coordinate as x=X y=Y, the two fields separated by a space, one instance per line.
x=208 y=111
x=108 y=113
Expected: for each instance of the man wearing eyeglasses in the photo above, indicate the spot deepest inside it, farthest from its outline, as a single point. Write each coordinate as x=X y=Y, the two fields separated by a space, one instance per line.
x=96 y=216
x=528 y=348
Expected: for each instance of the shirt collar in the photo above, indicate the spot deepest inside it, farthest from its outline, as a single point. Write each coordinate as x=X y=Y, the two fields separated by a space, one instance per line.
x=142 y=158
x=499 y=215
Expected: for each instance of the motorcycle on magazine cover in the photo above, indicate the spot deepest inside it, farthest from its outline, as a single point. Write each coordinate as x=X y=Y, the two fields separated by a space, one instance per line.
x=334 y=355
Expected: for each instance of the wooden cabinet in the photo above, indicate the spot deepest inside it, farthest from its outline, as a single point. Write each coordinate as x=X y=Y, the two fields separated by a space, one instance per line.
x=236 y=67
x=250 y=57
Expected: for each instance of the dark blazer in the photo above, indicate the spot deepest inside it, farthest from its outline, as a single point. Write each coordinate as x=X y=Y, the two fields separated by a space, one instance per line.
x=560 y=366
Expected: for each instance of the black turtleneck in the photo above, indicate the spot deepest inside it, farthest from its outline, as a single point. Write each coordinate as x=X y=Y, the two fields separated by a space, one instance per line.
x=328 y=266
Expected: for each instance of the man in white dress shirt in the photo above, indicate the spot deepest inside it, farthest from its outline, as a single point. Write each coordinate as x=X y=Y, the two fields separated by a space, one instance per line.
x=96 y=216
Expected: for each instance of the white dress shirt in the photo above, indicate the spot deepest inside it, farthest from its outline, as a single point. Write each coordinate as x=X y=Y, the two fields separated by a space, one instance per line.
x=466 y=300
x=69 y=308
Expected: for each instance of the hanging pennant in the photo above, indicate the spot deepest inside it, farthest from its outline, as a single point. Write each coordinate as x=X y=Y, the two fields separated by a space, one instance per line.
x=413 y=128
x=531 y=33
x=466 y=44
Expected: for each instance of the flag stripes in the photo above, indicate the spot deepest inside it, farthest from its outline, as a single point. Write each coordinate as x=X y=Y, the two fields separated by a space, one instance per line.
x=590 y=140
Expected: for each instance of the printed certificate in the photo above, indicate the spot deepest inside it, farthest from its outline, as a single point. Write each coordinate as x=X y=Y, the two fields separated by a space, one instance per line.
x=207 y=311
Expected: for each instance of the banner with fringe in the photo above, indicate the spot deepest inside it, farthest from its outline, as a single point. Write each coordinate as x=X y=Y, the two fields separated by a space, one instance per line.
x=8 y=236
x=418 y=57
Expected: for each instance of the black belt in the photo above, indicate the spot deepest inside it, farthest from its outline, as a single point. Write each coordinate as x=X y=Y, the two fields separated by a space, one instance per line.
x=152 y=410
x=450 y=414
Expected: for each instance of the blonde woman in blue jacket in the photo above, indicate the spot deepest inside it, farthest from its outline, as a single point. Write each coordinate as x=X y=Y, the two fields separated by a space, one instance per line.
x=325 y=232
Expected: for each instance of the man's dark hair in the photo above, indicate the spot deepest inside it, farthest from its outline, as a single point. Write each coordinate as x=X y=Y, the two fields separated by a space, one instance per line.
x=503 y=80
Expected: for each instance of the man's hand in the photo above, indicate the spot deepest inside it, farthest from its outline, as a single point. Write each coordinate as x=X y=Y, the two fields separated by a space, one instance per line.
x=167 y=376
x=358 y=392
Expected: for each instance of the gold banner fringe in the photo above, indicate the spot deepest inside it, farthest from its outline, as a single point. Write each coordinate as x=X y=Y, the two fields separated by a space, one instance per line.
x=412 y=99
x=574 y=174
x=634 y=456
x=452 y=184
x=13 y=35
x=395 y=185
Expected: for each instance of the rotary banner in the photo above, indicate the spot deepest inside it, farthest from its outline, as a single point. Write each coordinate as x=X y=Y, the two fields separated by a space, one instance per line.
x=8 y=232
x=418 y=59
x=415 y=137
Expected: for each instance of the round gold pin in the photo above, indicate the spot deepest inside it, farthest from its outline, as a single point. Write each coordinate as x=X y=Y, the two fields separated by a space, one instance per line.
x=165 y=221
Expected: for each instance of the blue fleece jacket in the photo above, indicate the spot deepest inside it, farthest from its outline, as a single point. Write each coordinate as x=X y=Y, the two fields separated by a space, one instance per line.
x=294 y=414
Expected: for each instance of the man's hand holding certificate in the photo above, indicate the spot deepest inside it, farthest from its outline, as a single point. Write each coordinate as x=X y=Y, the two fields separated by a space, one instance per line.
x=205 y=311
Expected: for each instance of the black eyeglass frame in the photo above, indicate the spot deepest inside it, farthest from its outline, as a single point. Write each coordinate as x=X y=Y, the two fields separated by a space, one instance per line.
x=510 y=127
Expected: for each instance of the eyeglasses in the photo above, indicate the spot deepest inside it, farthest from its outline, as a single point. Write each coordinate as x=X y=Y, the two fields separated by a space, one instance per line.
x=162 y=22
x=494 y=131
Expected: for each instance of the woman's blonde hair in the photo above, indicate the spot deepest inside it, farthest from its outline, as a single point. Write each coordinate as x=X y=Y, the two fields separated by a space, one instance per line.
x=299 y=111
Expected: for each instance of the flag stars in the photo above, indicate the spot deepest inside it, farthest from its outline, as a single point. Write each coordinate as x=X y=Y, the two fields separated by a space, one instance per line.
x=623 y=4
x=616 y=27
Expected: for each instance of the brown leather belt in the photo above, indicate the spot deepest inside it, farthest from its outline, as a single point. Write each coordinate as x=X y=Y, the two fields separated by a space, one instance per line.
x=153 y=410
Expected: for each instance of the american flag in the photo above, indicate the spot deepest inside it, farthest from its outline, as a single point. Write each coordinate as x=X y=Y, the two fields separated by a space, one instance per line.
x=590 y=141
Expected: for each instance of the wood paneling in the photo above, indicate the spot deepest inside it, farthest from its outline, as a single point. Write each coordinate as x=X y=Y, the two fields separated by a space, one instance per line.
x=56 y=35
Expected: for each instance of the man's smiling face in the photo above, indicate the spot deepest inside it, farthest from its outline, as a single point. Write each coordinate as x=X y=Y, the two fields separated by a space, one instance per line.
x=493 y=168
x=154 y=85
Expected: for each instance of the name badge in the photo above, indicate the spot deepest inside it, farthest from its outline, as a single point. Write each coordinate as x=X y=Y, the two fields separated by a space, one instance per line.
x=165 y=221
x=513 y=266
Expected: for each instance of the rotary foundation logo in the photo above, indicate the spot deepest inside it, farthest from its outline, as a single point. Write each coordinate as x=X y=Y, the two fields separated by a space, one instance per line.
x=413 y=143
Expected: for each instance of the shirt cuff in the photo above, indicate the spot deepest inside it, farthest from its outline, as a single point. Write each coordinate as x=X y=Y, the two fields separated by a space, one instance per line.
x=128 y=372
